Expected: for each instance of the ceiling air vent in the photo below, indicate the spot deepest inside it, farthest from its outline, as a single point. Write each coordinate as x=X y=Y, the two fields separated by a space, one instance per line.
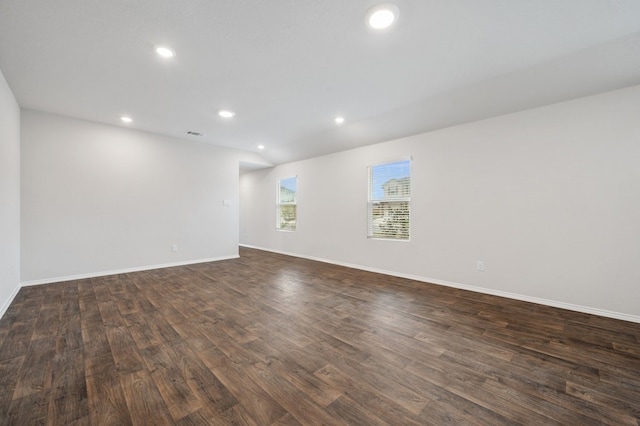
x=189 y=132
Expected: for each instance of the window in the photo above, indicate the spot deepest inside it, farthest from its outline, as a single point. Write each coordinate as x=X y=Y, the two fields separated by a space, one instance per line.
x=389 y=200
x=286 y=196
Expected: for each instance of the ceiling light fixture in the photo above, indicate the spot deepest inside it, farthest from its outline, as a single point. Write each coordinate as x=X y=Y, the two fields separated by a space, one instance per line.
x=260 y=147
x=165 y=52
x=381 y=16
x=226 y=114
x=126 y=119
x=339 y=120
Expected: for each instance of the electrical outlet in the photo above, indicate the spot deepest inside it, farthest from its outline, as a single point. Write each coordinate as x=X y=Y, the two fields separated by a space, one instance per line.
x=174 y=247
x=480 y=265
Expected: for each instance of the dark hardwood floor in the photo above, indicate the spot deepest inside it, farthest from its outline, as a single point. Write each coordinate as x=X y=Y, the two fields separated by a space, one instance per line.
x=269 y=339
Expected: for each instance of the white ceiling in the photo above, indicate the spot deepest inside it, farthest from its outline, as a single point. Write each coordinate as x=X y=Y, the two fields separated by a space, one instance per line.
x=288 y=67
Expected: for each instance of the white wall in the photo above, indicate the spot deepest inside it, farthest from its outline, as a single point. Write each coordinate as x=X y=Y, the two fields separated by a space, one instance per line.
x=9 y=195
x=99 y=198
x=548 y=198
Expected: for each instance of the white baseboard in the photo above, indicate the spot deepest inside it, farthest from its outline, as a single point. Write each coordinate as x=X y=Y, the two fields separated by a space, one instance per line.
x=7 y=302
x=515 y=296
x=122 y=271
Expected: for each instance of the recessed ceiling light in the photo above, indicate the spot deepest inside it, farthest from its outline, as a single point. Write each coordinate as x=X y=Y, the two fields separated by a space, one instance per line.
x=339 y=120
x=260 y=147
x=126 y=119
x=165 y=52
x=382 y=15
x=226 y=114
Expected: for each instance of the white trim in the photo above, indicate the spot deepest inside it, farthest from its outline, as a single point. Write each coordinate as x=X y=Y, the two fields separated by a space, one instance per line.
x=7 y=303
x=123 y=271
x=524 y=298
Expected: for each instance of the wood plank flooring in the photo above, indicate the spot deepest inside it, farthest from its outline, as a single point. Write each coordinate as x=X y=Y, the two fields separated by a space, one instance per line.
x=274 y=340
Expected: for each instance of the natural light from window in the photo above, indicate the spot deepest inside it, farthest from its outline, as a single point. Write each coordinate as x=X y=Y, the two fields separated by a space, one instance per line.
x=287 y=195
x=389 y=200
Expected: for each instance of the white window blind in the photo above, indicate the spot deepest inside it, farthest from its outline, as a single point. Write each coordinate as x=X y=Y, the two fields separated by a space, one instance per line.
x=286 y=200
x=389 y=200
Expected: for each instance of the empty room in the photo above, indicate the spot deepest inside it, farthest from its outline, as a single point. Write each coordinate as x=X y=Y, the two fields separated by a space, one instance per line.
x=243 y=212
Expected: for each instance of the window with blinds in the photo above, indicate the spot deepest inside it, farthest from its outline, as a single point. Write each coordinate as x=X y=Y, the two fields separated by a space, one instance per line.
x=389 y=200
x=286 y=201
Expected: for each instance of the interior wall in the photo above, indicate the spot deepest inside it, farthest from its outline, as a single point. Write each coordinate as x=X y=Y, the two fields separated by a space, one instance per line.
x=99 y=198
x=9 y=195
x=548 y=199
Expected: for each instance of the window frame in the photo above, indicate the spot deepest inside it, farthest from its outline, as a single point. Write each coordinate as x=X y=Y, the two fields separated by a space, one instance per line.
x=280 y=204
x=404 y=201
